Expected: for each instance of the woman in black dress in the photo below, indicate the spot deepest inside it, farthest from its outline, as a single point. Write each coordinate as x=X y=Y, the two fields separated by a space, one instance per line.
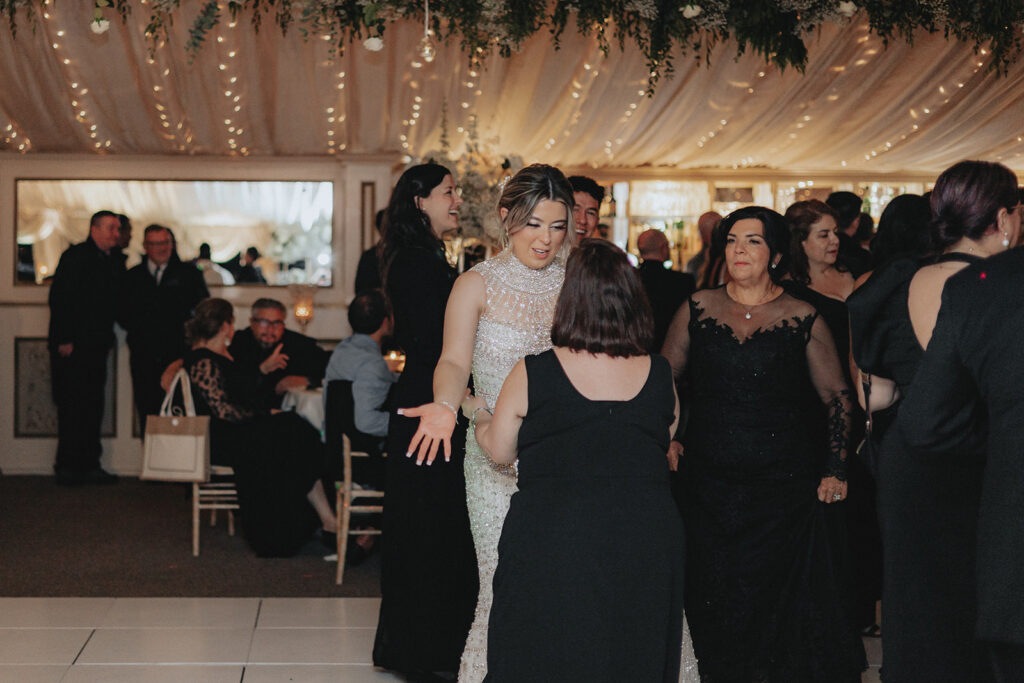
x=277 y=457
x=590 y=563
x=928 y=505
x=763 y=599
x=818 y=279
x=428 y=566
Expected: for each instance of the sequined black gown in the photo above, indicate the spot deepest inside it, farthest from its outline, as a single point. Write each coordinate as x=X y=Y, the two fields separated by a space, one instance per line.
x=762 y=595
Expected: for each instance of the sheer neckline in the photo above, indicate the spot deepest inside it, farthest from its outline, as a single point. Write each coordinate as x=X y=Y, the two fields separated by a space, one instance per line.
x=730 y=297
x=717 y=310
x=520 y=277
x=565 y=375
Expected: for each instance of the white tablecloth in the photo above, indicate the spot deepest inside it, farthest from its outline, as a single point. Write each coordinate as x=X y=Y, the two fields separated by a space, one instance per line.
x=309 y=403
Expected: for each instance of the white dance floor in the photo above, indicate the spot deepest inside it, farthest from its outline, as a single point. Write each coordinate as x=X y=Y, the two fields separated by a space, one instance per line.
x=199 y=640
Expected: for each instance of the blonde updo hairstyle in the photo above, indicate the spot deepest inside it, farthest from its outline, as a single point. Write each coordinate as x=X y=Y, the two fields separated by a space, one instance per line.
x=525 y=190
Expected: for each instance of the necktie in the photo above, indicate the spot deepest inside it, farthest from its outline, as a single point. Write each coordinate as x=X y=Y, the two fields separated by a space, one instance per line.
x=159 y=273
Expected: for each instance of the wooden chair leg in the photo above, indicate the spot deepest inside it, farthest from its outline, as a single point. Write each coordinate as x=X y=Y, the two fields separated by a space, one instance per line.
x=213 y=517
x=231 y=523
x=346 y=516
x=195 y=520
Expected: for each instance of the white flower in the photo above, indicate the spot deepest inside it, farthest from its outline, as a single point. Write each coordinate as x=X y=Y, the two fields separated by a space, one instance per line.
x=691 y=10
x=848 y=8
x=99 y=25
x=373 y=44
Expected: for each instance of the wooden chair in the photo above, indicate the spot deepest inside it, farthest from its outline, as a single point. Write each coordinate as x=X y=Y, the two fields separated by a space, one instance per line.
x=213 y=495
x=340 y=433
x=345 y=506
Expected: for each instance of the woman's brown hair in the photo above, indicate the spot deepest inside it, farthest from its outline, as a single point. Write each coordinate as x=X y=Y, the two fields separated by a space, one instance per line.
x=800 y=217
x=602 y=307
x=210 y=316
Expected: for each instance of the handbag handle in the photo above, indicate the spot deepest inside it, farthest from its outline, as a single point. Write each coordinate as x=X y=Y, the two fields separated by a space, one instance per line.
x=180 y=378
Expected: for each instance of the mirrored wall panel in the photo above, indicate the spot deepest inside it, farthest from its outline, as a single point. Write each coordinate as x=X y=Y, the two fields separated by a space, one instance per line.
x=237 y=232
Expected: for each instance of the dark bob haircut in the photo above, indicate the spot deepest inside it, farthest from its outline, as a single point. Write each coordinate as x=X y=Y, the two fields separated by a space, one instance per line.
x=847 y=206
x=776 y=235
x=800 y=217
x=602 y=307
x=966 y=199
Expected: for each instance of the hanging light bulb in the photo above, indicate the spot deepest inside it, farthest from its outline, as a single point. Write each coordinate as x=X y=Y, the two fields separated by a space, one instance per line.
x=427 y=49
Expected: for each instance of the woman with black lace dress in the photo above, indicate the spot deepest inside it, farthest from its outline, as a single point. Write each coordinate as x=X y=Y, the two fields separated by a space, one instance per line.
x=277 y=457
x=762 y=595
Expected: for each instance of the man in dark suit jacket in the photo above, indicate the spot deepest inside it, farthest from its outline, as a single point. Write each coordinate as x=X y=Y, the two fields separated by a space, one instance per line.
x=83 y=300
x=158 y=297
x=974 y=368
x=666 y=289
x=276 y=358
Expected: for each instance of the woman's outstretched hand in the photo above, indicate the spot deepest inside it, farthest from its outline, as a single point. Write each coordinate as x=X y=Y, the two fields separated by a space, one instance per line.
x=437 y=422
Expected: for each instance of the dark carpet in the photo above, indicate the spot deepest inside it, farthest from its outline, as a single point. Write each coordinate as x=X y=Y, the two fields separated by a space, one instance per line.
x=134 y=539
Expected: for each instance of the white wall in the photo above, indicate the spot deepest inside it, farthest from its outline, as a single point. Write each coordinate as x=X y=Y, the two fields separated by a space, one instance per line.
x=23 y=309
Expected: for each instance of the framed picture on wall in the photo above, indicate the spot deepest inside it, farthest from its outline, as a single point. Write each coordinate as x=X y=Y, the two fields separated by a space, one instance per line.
x=35 y=413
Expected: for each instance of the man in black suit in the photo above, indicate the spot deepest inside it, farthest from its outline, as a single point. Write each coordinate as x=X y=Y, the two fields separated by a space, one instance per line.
x=278 y=359
x=666 y=289
x=158 y=297
x=83 y=299
x=973 y=370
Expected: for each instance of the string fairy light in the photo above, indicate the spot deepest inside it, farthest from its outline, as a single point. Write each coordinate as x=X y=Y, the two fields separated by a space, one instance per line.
x=77 y=91
x=229 y=81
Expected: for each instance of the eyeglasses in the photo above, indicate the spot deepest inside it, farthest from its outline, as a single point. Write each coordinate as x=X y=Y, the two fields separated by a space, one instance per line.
x=263 y=322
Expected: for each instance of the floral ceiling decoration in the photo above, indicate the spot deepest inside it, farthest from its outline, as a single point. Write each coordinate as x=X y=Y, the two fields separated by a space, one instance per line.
x=777 y=30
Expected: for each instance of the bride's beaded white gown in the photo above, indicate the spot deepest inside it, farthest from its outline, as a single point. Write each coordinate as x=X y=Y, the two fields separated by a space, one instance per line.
x=516 y=322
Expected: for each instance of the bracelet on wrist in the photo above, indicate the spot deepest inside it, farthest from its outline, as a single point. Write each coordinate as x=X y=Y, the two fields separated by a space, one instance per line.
x=472 y=418
x=450 y=407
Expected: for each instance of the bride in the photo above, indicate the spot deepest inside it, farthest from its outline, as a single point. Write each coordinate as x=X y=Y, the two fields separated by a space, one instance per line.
x=499 y=312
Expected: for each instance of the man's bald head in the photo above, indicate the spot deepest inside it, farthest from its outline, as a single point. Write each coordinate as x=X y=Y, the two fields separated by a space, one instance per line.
x=652 y=245
x=706 y=225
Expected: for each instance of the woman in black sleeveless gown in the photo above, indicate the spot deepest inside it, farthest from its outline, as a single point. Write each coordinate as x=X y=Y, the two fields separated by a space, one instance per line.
x=590 y=563
x=428 y=565
x=928 y=506
x=763 y=597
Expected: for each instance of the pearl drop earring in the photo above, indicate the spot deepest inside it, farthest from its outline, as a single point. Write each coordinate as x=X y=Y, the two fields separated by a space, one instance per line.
x=1006 y=239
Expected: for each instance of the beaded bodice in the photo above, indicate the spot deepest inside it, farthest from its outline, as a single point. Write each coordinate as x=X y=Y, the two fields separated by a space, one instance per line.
x=516 y=321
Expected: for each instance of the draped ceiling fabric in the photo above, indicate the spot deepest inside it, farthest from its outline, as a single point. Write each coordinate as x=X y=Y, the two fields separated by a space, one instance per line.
x=860 y=106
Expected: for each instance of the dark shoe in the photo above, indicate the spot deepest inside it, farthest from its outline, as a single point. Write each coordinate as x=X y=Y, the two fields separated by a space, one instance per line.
x=358 y=553
x=873 y=631
x=99 y=476
x=67 y=477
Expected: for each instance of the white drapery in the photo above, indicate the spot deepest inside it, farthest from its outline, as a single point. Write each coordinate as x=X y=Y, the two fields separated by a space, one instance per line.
x=860 y=107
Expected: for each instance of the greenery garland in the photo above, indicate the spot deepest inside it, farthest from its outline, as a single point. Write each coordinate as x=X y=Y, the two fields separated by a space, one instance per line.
x=660 y=29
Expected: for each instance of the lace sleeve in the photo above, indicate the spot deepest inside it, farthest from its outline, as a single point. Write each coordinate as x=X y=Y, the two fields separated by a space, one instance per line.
x=677 y=341
x=827 y=375
x=208 y=379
